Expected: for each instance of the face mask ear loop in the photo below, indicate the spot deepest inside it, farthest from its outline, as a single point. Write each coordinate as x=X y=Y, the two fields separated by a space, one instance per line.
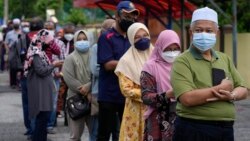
x=191 y=43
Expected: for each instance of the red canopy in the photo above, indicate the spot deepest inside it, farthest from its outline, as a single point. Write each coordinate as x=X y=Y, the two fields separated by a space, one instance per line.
x=156 y=7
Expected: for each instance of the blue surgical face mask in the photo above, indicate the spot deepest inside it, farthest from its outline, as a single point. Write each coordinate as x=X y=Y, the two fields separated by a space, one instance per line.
x=142 y=44
x=204 y=41
x=82 y=46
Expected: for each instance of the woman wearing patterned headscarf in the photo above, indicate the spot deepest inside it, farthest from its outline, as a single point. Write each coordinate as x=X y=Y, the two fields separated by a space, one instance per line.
x=128 y=71
x=40 y=83
x=157 y=92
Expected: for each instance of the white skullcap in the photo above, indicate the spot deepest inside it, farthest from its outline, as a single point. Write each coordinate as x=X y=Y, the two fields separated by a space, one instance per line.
x=205 y=14
x=16 y=21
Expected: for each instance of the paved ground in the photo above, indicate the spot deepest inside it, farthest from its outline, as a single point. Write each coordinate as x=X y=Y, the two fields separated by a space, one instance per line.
x=11 y=116
x=12 y=129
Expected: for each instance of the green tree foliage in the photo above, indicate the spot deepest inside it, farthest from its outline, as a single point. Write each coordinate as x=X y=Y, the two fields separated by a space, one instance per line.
x=19 y=8
x=67 y=5
x=96 y=15
x=76 y=16
x=243 y=14
x=1 y=7
x=15 y=9
x=66 y=13
x=42 y=5
x=30 y=8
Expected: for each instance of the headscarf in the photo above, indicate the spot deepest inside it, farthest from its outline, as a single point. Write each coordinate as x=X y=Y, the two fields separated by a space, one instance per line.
x=156 y=65
x=40 y=39
x=82 y=60
x=108 y=23
x=132 y=61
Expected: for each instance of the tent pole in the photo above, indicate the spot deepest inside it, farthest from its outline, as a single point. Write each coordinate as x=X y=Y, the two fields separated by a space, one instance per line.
x=182 y=25
x=234 y=37
x=104 y=10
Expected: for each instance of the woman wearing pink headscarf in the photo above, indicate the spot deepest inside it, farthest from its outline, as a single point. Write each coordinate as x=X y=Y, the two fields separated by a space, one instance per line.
x=157 y=92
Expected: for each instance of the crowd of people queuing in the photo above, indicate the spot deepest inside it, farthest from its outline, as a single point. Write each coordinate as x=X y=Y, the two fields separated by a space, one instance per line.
x=138 y=90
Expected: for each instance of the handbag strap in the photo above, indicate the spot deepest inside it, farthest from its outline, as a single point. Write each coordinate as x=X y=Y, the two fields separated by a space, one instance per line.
x=90 y=97
x=86 y=96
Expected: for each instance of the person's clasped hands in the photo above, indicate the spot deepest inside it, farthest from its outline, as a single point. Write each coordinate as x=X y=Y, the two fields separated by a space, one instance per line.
x=85 y=90
x=223 y=91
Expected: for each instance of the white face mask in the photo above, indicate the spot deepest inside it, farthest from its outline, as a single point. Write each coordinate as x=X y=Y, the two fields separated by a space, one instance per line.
x=26 y=29
x=69 y=36
x=170 y=56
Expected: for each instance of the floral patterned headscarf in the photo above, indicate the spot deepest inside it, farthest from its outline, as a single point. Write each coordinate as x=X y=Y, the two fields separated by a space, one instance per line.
x=42 y=38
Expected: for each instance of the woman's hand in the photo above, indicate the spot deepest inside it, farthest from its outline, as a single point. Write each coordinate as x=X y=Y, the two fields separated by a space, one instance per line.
x=58 y=63
x=57 y=75
x=170 y=94
x=84 y=89
x=48 y=38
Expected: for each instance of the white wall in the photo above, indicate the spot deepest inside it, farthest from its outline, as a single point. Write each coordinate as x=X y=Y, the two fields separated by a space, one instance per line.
x=243 y=54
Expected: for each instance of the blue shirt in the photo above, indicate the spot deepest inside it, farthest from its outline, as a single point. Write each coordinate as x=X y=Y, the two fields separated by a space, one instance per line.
x=111 y=46
x=11 y=37
x=94 y=68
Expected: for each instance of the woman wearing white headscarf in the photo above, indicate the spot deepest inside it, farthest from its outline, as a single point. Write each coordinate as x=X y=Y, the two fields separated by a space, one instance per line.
x=76 y=74
x=128 y=71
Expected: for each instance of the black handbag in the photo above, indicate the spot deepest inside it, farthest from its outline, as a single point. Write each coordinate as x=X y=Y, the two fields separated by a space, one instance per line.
x=78 y=106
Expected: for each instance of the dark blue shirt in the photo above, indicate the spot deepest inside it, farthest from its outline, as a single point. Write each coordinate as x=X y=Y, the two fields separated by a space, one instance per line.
x=111 y=46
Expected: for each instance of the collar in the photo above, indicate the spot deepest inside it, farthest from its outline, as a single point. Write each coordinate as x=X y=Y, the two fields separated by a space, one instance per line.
x=116 y=32
x=197 y=54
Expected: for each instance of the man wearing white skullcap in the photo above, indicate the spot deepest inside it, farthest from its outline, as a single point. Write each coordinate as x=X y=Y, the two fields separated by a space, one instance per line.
x=12 y=35
x=205 y=83
x=205 y=14
x=16 y=21
x=10 y=39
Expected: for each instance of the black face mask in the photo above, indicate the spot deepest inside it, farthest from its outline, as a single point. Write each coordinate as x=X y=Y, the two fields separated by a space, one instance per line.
x=124 y=24
x=16 y=27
